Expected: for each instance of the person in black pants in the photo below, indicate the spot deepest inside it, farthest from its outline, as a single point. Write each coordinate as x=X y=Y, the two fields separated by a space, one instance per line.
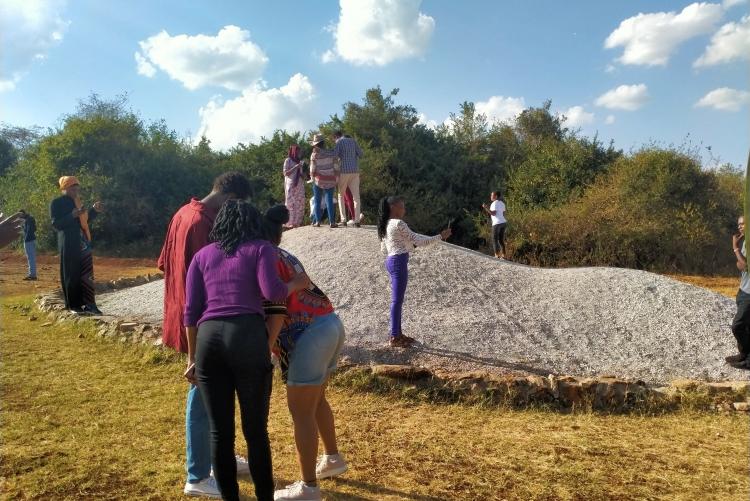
x=741 y=322
x=228 y=348
x=496 y=211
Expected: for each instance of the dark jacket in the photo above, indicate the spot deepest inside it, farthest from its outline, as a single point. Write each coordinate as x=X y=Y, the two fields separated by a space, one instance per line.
x=29 y=228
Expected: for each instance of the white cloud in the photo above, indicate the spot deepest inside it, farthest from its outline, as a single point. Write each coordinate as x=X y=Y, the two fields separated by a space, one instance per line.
x=609 y=120
x=610 y=68
x=229 y=59
x=624 y=97
x=258 y=112
x=378 y=32
x=728 y=4
x=501 y=109
x=29 y=29
x=430 y=124
x=724 y=99
x=328 y=56
x=650 y=39
x=730 y=43
x=8 y=85
x=144 y=67
x=577 y=116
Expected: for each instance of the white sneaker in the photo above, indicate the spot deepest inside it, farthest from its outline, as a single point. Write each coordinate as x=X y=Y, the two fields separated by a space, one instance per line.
x=206 y=488
x=331 y=466
x=298 y=491
x=243 y=467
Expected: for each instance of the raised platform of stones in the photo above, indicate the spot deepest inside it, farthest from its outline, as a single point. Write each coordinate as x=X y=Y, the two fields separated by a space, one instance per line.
x=472 y=312
x=488 y=388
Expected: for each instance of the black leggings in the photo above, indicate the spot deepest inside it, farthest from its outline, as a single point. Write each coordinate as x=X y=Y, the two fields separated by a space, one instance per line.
x=498 y=238
x=232 y=355
x=741 y=323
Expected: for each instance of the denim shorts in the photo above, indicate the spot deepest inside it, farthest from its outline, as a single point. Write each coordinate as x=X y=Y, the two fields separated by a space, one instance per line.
x=316 y=352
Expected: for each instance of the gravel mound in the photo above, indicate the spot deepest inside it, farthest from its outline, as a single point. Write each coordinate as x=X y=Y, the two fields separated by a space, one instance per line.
x=469 y=311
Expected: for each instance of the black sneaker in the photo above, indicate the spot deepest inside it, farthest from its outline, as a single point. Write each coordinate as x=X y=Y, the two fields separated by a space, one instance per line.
x=733 y=359
x=30 y=278
x=357 y=225
x=91 y=309
x=745 y=364
x=79 y=311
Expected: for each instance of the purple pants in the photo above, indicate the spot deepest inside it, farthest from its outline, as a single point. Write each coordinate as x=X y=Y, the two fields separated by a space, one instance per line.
x=398 y=268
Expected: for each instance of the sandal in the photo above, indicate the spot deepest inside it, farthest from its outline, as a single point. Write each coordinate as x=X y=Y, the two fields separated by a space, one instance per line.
x=400 y=341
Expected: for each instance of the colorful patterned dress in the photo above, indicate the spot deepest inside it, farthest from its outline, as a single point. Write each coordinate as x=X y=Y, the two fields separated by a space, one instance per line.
x=294 y=191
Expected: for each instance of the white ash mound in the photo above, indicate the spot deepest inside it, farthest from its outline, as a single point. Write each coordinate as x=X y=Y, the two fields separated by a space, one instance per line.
x=472 y=312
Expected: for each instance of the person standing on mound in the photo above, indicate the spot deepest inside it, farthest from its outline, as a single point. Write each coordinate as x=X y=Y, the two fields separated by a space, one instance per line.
x=294 y=186
x=496 y=211
x=396 y=242
x=741 y=322
x=325 y=178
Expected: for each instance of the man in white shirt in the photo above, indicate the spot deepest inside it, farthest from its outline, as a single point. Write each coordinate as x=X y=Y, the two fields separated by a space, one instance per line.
x=496 y=211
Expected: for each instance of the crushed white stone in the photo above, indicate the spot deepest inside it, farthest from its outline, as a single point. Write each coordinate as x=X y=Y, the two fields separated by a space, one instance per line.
x=469 y=311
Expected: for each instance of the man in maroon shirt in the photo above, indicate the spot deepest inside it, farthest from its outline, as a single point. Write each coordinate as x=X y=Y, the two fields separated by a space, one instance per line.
x=187 y=234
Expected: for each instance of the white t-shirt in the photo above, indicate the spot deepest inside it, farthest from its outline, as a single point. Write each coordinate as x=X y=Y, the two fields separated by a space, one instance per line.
x=499 y=208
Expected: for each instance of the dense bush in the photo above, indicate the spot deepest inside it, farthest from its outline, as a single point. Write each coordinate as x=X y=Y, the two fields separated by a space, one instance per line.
x=655 y=209
x=571 y=200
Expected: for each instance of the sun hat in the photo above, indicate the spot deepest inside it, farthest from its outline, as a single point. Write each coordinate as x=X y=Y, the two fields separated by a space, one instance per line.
x=68 y=181
x=317 y=139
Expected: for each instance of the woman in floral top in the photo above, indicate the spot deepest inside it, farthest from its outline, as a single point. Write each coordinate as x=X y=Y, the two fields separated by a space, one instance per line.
x=306 y=336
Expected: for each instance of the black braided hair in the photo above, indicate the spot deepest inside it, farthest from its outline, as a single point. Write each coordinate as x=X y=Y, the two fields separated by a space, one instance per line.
x=273 y=223
x=238 y=221
x=384 y=213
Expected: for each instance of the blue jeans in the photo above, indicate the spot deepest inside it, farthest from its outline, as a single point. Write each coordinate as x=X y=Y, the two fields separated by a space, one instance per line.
x=316 y=352
x=398 y=268
x=317 y=193
x=30 y=249
x=197 y=438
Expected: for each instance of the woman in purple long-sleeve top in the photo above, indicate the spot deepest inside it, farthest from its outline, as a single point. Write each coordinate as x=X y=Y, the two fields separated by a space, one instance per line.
x=228 y=349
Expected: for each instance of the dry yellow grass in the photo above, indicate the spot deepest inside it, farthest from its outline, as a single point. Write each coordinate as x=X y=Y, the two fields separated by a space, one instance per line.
x=84 y=418
x=723 y=285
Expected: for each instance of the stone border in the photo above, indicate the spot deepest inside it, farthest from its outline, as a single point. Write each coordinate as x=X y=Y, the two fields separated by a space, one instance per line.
x=123 y=329
x=126 y=282
x=607 y=393
x=561 y=392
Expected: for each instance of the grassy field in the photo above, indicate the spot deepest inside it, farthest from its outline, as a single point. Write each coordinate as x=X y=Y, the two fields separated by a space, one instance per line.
x=86 y=418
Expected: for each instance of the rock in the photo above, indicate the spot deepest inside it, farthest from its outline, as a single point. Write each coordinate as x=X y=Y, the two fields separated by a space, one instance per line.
x=408 y=372
x=686 y=384
x=46 y=324
x=567 y=390
x=741 y=406
x=127 y=327
x=728 y=387
x=32 y=319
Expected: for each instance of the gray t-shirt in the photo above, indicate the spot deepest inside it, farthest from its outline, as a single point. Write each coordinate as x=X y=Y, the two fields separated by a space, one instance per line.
x=744 y=278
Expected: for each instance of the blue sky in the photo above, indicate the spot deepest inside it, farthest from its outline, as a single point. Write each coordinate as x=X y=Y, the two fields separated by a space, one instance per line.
x=674 y=71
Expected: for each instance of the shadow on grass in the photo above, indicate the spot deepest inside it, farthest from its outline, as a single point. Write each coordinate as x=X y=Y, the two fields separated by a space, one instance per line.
x=376 y=490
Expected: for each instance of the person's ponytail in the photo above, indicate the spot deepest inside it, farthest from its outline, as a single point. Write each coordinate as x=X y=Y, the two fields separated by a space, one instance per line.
x=384 y=214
